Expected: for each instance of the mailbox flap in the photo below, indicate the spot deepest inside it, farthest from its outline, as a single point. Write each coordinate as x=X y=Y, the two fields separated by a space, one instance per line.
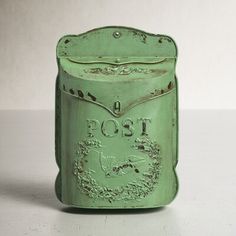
x=116 y=68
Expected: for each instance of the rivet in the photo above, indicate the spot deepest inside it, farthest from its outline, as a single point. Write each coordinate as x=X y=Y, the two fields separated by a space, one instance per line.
x=116 y=34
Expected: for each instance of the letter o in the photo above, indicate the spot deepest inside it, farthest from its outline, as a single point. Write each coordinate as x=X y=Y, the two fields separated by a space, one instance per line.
x=105 y=128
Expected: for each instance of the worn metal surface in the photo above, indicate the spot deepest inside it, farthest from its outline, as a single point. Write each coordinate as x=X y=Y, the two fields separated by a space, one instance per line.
x=116 y=119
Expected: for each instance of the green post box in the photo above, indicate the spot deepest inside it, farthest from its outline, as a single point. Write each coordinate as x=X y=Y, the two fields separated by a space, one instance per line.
x=116 y=119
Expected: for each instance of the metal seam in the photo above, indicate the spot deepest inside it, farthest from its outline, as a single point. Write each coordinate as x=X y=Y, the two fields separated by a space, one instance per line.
x=133 y=104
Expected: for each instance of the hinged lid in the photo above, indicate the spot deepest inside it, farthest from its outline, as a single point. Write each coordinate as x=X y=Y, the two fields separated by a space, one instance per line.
x=116 y=67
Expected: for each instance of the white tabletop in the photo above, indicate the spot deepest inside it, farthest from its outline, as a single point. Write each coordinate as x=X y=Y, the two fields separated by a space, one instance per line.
x=205 y=205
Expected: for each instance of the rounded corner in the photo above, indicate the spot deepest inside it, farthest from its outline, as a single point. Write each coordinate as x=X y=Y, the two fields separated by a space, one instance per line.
x=57 y=187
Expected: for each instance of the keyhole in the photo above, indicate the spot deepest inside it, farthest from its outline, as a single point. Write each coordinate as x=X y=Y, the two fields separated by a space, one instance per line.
x=117 y=107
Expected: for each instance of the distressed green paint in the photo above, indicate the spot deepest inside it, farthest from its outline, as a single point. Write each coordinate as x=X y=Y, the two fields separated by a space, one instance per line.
x=116 y=119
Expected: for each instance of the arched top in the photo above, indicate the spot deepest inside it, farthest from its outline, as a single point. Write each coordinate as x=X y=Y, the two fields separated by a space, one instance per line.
x=116 y=44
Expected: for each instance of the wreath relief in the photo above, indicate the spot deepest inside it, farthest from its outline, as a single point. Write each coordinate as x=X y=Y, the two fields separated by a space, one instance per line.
x=135 y=189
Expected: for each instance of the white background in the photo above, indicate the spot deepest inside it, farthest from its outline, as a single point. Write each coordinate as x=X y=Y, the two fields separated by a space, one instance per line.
x=204 y=31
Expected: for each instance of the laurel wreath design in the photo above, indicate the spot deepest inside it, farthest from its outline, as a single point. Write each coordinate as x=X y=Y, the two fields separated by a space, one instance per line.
x=136 y=189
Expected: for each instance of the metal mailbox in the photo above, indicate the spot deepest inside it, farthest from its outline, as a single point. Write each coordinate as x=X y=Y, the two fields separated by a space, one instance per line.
x=116 y=119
